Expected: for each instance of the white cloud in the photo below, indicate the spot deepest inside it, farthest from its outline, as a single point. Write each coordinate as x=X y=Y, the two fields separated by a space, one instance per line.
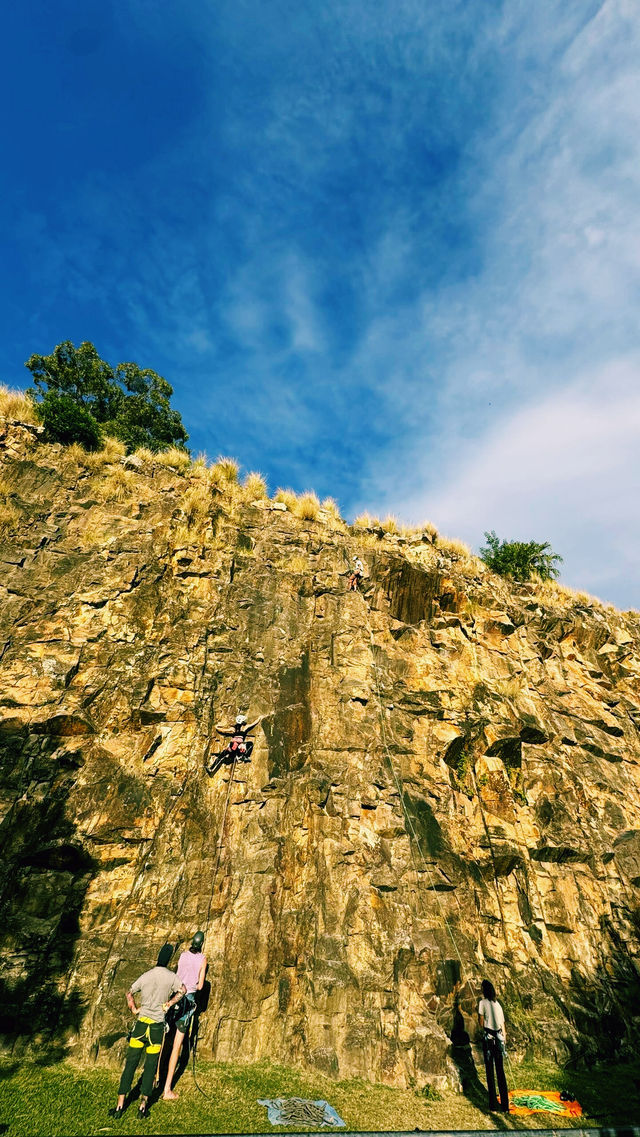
x=564 y=470
x=533 y=426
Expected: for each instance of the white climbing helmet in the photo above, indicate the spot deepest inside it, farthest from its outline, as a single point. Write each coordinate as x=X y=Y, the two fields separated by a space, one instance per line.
x=241 y=720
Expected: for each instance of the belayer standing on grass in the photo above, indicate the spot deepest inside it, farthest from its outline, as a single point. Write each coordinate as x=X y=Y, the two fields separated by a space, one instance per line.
x=491 y=1019
x=192 y=967
x=159 y=989
x=239 y=746
x=356 y=576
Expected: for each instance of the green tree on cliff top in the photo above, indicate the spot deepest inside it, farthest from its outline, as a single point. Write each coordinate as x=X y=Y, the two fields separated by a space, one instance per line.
x=520 y=560
x=80 y=398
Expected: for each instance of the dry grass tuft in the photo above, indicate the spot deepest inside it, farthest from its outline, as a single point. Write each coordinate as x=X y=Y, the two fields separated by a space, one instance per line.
x=554 y=593
x=17 y=405
x=454 y=548
x=196 y=504
x=296 y=563
x=117 y=485
x=113 y=450
x=287 y=497
x=226 y=469
x=254 y=487
x=145 y=454
x=509 y=688
x=9 y=517
x=390 y=525
x=175 y=458
x=330 y=506
x=366 y=521
x=199 y=469
x=76 y=455
x=307 y=507
x=368 y=541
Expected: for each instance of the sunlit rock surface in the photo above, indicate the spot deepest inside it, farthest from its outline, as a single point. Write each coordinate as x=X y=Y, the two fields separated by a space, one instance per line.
x=445 y=785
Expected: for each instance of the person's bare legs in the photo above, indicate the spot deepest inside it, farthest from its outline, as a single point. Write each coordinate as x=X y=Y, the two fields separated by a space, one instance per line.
x=168 y=1094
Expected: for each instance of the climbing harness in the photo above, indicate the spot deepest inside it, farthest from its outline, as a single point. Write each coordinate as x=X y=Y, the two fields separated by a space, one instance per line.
x=238 y=747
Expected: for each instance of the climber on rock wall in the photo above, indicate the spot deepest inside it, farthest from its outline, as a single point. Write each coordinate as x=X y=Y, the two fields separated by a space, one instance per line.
x=159 y=989
x=356 y=576
x=239 y=746
x=192 y=967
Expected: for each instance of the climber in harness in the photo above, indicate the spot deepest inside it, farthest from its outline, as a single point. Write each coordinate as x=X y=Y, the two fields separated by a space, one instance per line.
x=491 y=1019
x=239 y=748
x=159 y=989
x=356 y=576
x=192 y=967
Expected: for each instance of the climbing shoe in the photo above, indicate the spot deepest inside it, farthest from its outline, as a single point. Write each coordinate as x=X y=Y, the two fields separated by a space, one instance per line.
x=117 y=1112
x=143 y=1109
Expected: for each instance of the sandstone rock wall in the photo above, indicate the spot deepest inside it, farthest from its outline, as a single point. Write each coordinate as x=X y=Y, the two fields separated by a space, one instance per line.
x=445 y=784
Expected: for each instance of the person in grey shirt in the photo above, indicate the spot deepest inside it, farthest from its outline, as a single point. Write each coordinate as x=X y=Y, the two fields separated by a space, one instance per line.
x=158 y=989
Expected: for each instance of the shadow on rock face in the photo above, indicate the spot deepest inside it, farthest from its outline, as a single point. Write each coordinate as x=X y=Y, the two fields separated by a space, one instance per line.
x=603 y=1006
x=288 y=732
x=462 y=1055
x=44 y=877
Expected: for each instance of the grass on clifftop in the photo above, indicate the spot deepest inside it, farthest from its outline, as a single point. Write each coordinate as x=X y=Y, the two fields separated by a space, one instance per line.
x=65 y=1101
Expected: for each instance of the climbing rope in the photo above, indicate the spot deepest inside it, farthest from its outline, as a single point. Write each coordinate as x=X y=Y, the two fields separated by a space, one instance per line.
x=221 y=841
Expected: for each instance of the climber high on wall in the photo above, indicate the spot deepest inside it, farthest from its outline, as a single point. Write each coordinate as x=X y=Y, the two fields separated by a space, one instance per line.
x=239 y=746
x=356 y=575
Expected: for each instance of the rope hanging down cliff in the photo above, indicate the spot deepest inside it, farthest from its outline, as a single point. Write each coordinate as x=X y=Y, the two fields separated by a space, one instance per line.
x=400 y=791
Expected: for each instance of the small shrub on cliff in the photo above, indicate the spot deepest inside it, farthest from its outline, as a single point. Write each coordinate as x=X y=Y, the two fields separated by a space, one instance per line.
x=520 y=560
x=67 y=421
x=79 y=397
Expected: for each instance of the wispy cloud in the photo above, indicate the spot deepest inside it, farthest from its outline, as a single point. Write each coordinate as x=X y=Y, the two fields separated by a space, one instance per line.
x=519 y=414
x=387 y=250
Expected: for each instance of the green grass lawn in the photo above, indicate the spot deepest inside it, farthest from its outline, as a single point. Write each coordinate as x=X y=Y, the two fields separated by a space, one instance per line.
x=65 y=1101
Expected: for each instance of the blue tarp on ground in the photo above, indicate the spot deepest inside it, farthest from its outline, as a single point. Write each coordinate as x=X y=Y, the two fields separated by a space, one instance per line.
x=277 y=1106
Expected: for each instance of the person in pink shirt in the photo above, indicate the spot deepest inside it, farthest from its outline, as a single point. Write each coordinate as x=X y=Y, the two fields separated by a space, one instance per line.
x=192 y=968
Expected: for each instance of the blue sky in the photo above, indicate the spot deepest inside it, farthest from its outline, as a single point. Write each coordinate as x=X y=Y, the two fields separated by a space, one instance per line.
x=387 y=249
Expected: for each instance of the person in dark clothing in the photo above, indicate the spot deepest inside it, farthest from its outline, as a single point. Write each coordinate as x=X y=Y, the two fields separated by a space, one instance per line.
x=158 y=989
x=239 y=746
x=491 y=1019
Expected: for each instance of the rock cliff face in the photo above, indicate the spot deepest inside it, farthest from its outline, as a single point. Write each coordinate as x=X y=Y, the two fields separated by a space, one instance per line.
x=446 y=783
